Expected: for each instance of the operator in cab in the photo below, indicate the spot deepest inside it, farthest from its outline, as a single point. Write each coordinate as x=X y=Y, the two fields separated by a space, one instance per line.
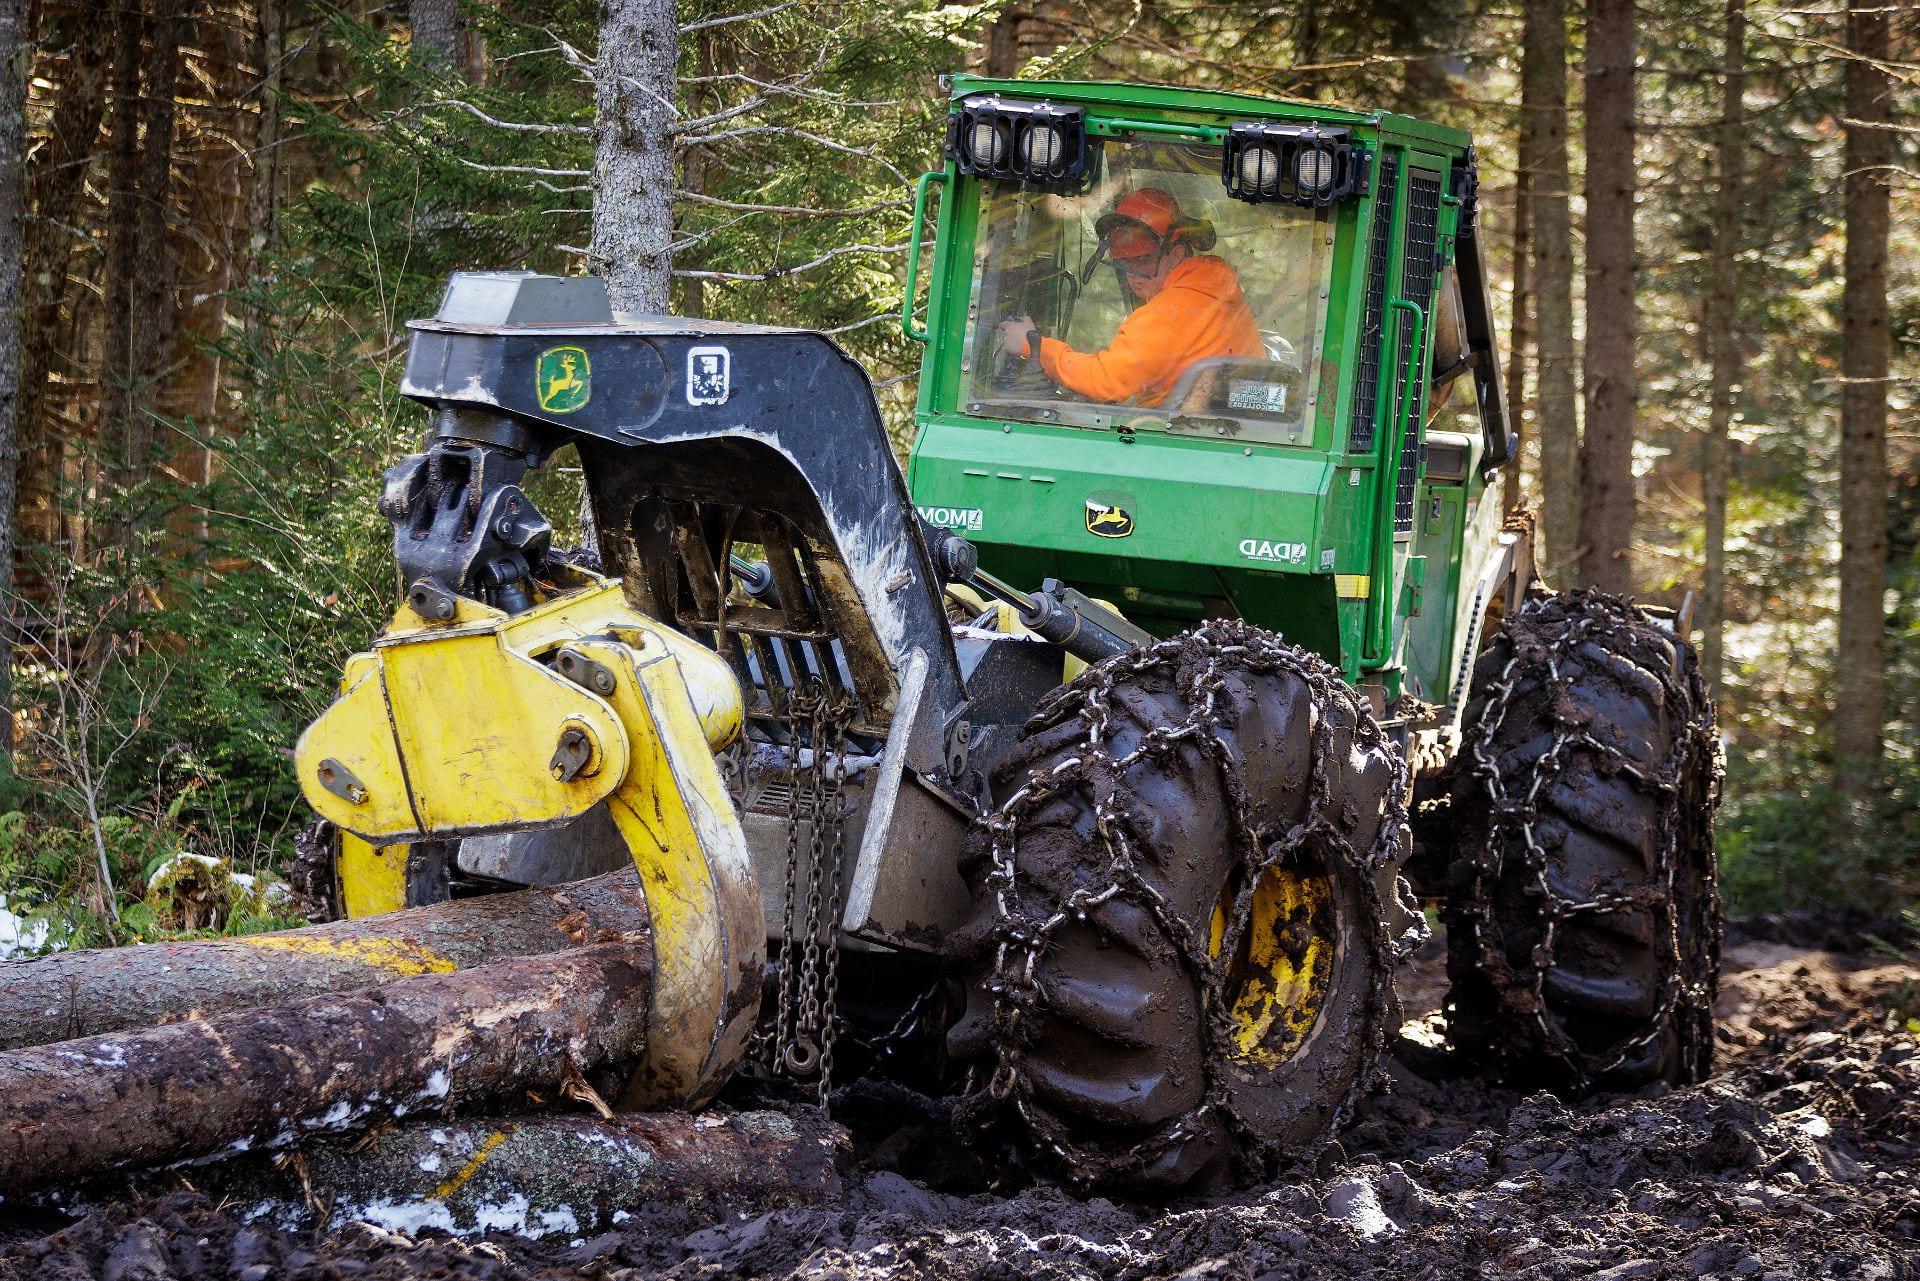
x=1189 y=307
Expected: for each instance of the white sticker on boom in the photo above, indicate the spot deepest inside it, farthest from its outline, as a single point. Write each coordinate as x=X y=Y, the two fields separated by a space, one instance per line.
x=1280 y=553
x=968 y=519
x=709 y=375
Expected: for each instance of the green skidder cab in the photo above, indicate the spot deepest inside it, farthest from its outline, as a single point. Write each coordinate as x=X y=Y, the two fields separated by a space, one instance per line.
x=1332 y=474
x=1100 y=768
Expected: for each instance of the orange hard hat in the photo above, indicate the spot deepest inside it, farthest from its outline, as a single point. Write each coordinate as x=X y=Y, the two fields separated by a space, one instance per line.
x=1146 y=221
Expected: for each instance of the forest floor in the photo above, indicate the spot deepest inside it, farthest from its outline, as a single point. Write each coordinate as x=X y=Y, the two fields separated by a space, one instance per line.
x=1799 y=1158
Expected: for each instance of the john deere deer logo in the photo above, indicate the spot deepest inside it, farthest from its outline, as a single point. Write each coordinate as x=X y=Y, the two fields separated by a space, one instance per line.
x=1107 y=521
x=563 y=378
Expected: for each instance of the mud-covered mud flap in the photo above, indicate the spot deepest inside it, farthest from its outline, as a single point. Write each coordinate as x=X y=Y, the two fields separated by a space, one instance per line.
x=1584 y=913
x=1180 y=957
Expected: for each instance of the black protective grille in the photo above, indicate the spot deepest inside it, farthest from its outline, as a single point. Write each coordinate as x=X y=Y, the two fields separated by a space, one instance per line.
x=1416 y=286
x=1366 y=387
x=780 y=642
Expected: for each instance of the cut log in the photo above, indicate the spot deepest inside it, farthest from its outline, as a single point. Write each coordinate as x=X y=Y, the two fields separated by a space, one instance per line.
x=540 y=1175
x=267 y=1077
x=76 y=994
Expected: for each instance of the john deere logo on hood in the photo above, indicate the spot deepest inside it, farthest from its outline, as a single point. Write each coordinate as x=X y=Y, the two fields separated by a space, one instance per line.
x=1108 y=521
x=563 y=378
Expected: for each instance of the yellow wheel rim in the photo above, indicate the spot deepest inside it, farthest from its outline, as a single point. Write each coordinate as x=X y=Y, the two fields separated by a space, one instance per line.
x=1277 y=983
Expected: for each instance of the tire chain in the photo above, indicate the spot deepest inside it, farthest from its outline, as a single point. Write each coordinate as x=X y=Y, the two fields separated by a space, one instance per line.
x=1531 y=635
x=1020 y=938
x=807 y=1006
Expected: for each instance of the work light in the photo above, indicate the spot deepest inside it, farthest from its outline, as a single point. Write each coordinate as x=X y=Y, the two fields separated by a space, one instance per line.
x=1312 y=165
x=1042 y=146
x=989 y=136
x=1260 y=170
x=1313 y=169
x=989 y=143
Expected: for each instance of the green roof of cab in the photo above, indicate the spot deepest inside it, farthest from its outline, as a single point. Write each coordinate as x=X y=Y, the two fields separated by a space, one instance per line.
x=1223 y=107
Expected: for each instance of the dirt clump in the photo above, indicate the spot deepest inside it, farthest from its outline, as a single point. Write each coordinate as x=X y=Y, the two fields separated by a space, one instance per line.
x=1800 y=1158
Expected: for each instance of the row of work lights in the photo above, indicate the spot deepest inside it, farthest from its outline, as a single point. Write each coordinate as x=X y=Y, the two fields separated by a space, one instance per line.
x=989 y=136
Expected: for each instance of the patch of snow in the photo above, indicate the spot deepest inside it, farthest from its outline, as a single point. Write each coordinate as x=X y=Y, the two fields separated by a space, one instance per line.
x=20 y=936
x=1815 y=1125
x=429 y=1163
x=561 y=1220
x=509 y=1215
x=408 y=1218
x=179 y=861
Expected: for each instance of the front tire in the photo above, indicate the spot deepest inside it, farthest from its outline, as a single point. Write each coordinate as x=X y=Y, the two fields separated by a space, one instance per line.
x=1180 y=954
x=1583 y=917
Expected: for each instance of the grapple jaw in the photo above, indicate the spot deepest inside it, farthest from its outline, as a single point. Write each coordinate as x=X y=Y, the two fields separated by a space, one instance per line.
x=483 y=722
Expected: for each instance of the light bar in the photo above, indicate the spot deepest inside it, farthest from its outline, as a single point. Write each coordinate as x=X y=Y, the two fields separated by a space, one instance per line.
x=989 y=136
x=1312 y=165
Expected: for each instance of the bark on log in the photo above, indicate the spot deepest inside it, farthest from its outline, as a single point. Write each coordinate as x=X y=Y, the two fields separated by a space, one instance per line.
x=541 y=1175
x=267 y=1077
x=75 y=994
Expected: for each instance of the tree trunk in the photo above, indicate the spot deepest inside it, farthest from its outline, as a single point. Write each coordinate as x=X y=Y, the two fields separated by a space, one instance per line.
x=633 y=178
x=1557 y=402
x=1519 y=329
x=1612 y=386
x=1860 y=667
x=583 y=1173
x=154 y=297
x=436 y=31
x=1003 y=44
x=60 y=172
x=1723 y=345
x=96 y=991
x=215 y=161
x=265 y=1077
x=1307 y=50
x=263 y=185
x=16 y=52
x=118 y=371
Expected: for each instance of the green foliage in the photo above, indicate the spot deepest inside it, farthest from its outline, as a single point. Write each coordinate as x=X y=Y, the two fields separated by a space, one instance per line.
x=221 y=630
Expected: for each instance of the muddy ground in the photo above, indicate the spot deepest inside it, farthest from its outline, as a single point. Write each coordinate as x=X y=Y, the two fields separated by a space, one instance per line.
x=1800 y=1158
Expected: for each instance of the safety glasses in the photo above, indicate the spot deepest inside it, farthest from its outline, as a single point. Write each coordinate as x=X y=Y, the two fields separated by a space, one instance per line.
x=1146 y=265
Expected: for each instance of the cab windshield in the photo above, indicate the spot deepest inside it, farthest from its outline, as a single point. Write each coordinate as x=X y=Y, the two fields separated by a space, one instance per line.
x=1227 y=343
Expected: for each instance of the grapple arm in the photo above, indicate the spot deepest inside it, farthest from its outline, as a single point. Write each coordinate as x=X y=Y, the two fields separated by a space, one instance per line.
x=485 y=722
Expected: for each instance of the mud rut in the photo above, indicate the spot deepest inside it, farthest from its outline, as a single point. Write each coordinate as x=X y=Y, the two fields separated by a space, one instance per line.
x=1799 y=1158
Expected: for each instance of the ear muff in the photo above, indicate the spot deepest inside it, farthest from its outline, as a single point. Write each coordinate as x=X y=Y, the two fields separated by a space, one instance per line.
x=1196 y=233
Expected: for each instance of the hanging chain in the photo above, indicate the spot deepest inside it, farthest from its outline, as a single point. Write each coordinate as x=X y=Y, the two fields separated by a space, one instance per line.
x=807 y=1002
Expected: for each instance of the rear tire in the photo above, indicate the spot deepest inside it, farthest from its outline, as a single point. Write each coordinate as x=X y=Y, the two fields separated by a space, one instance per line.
x=1584 y=927
x=1179 y=957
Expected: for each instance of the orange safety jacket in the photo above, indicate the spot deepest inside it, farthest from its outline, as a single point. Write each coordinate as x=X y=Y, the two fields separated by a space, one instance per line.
x=1200 y=312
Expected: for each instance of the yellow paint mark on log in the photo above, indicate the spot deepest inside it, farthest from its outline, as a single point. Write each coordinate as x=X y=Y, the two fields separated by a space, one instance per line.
x=472 y=1167
x=395 y=956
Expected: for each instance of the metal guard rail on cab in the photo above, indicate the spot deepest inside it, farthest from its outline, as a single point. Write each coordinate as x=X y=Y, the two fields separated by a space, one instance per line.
x=917 y=332
x=1378 y=640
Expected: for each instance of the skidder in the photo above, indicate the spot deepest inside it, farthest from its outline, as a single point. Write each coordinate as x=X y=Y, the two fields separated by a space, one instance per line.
x=1070 y=767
